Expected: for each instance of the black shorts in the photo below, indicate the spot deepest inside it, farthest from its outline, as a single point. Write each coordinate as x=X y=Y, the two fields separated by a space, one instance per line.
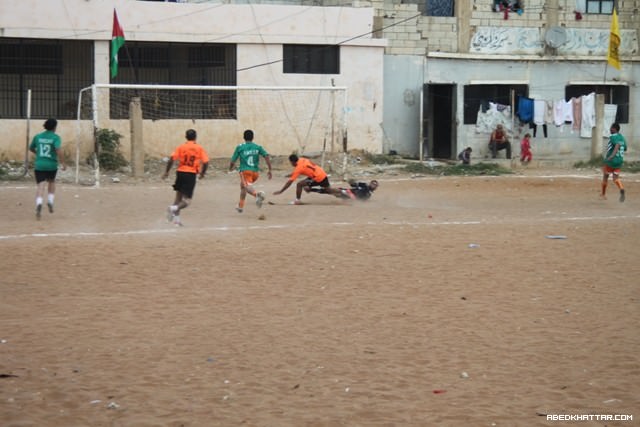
x=185 y=183
x=48 y=176
x=311 y=183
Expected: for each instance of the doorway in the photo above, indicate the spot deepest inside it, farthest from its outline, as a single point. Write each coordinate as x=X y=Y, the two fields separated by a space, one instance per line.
x=439 y=121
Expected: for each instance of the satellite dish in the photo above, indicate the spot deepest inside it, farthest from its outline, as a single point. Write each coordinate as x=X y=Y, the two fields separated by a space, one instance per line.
x=555 y=37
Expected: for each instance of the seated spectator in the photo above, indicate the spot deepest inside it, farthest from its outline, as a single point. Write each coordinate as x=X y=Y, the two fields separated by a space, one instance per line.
x=499 y=141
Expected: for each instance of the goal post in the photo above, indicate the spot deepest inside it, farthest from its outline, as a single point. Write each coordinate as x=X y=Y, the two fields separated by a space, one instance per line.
x=307 y=120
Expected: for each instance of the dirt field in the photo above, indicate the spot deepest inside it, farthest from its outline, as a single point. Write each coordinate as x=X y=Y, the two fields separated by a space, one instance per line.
x=442 y=301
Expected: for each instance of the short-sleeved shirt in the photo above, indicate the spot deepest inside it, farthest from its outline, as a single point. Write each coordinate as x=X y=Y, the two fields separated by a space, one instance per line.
x=617 y=160
x=309 y=169
x=249 y=154
x=499 y=135
x=45 y=145
x=191 y=156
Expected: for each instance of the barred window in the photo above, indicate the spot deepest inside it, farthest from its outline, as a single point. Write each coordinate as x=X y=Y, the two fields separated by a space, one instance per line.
x=207 y=56
x=186 y=64
x=54 y=71
x=144 y=57
x=177 y=64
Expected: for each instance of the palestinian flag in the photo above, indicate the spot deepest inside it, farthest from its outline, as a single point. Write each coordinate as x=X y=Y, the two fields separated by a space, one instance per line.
x=117 y=41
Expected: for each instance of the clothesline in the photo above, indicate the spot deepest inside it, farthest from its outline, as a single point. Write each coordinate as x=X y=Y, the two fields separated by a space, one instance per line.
x=579 y=113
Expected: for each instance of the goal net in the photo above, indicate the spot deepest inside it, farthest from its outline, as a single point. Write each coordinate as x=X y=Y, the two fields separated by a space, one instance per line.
x=308 y=120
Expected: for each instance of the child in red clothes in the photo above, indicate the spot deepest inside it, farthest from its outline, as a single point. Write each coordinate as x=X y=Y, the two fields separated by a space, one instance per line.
x=525 y=149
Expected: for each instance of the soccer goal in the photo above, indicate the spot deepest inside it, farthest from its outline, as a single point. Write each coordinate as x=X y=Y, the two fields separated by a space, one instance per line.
x=308 y=120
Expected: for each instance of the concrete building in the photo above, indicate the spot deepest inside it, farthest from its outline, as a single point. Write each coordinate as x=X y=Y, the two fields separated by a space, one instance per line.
x=473 y=52
x=55 y=48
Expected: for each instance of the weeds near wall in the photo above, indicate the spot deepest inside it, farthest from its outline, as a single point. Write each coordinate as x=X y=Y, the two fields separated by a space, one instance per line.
x=458 y=170
x=109 y=154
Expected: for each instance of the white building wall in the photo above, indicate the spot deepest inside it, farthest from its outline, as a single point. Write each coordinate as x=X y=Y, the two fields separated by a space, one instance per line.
x=185 y=22
x=403 y=76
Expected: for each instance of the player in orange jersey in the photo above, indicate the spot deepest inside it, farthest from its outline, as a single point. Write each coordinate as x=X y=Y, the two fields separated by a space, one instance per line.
x=316 y=176
x=193 y=160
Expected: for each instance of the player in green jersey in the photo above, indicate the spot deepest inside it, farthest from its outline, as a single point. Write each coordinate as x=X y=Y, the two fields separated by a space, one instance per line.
x=46 y=146
x=249 y=155
x=613 y=160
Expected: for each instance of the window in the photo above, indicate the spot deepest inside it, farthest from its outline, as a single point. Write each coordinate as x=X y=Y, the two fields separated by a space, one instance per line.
x=433 y=7
x=600 y=6
x=476 y=96
x=511 y=5
x=206 y=56
x=143 y=57
x=54 y=71
x=439 y=8
x=176 y=64
x=31 y=58
x=311 y=59
x=613 y=94
x=595 y=6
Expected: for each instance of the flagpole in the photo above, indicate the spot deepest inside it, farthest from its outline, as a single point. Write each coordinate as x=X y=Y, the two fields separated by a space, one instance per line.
x=133 y=66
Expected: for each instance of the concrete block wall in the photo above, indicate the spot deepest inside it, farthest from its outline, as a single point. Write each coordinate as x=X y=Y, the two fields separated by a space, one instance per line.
x=483 y=14
x=440 y=34
x=400 y=22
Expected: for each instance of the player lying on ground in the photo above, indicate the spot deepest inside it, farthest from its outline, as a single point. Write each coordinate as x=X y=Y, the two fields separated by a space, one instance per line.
x=356 y=190
x=316 y=177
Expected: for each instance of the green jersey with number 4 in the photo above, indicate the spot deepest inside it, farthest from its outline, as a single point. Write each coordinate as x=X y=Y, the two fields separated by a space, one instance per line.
x=617 y=160
x=44 y=145
x=249 y=154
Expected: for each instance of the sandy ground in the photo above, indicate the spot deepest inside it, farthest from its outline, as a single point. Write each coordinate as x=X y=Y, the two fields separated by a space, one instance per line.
x=442 y=301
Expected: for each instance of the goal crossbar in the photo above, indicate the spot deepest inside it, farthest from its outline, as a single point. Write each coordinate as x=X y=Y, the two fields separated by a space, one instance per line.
x=196 y=87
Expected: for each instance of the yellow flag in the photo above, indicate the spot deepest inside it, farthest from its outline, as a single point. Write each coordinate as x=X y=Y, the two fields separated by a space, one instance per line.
x=613 y=56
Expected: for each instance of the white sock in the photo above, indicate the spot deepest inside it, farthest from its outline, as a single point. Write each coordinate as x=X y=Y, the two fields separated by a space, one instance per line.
x=50 y=198
x=38 y=201
x=173 y=208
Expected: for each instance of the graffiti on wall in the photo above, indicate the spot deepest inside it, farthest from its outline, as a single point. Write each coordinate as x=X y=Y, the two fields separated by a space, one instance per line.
x=530 y=41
